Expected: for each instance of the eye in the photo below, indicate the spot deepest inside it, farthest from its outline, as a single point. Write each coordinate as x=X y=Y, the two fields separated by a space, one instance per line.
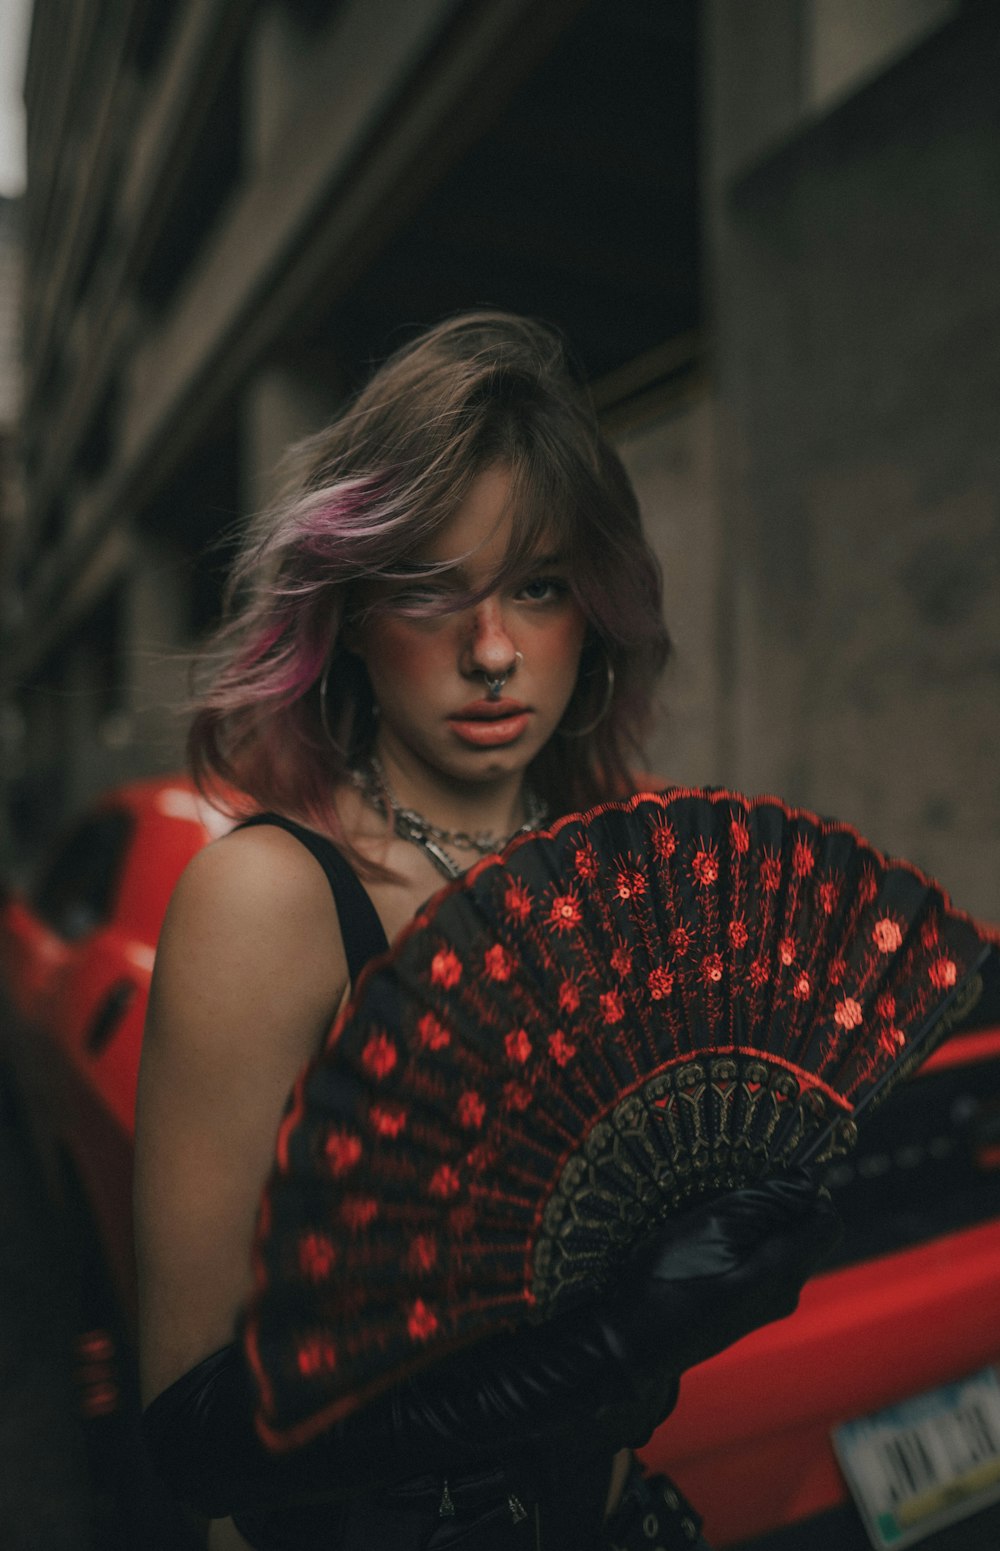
x=423 y=598
x=544 y=589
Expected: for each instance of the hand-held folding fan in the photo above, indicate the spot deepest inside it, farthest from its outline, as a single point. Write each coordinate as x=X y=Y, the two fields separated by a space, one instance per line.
x=654 y=1001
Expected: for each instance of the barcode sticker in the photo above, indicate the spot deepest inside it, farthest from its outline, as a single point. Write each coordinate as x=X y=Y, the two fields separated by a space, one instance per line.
x=926 y=1462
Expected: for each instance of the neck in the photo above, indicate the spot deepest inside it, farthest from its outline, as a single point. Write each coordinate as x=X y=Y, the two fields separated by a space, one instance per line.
x=495 y=808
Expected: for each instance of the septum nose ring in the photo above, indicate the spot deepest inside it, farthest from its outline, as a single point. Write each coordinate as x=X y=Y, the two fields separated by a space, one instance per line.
x=494 y=686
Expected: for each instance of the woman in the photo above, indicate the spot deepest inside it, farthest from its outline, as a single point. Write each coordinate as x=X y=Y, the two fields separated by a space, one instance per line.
x=448 y=634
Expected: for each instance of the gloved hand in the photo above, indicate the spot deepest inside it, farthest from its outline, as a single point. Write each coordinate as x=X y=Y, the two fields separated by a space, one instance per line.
x=713 y=1274
x=605 y=1374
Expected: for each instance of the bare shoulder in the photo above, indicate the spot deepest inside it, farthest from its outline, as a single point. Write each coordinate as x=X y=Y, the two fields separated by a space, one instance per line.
x=251 y=905
x=249 y=974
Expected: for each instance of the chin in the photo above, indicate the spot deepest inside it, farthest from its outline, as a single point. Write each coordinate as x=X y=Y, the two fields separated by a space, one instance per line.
x=481 y=765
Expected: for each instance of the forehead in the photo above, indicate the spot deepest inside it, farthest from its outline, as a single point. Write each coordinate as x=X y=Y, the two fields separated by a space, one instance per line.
x=484 y=531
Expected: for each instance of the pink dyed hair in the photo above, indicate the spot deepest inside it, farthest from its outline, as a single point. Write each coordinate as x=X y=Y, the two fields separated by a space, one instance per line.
x=477 y=390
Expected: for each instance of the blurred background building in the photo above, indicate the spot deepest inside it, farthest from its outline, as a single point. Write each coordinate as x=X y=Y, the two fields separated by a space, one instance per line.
x=769 y=229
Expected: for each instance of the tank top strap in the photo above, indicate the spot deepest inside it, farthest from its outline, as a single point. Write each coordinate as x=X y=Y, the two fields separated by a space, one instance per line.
x=362 y=931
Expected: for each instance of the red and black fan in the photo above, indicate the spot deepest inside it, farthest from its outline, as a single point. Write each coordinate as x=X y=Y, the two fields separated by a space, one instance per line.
x=660 y=998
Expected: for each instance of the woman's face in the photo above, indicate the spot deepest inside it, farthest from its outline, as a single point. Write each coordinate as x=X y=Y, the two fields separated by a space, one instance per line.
x=429 y=673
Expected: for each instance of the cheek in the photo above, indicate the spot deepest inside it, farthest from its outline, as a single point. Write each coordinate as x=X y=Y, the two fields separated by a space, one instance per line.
x=562 y=643
x=401 y=656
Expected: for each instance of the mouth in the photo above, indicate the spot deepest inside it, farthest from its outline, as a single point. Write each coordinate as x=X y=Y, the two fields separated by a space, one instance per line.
x=489 y=711
x=489 y=723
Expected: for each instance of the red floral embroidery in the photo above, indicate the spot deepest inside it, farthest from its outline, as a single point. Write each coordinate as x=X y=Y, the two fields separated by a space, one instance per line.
x=664 y=840
x=770 y=873
x=560 y=1048
x=386 y=1120
x=929 y=935
x=317 y=1256
x=711 y=968
x=343 y=1150
x=316 y=1355
x=432 y=1033
x=423 y=1253
x=885 y=1005
x=586 y=863
x=612 y=1007
x=516 y=1096
x=943 y=973
x=886 y=935
x=836 y=971
x=569 y=996
x=471 y=1110
x=803 y=858
x=759 y=974
x=660 y=982
x=358 y=1211
x=787 y=950
x=499 y=963
x=891 y=1040
x=737 y=932
x=630 y=883
x=421 y=1322
x=565 y=912
x=802 y=987
x=680 y=939
x=444 y=1182
x=739 y=837
x=868 y=886
x=847 y=1013
x=517 y=901
x=379 y=1056
x=517 y=1046
x=621 y=960
x=705 y=866
x=446 y=968
x=828 y=894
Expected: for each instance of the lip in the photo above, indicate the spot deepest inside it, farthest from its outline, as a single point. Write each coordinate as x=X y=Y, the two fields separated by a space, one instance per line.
x=488 y=710
x=489 y=732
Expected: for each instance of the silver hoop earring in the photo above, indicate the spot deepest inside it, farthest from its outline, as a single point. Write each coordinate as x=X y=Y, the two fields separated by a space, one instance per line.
x=609 y=692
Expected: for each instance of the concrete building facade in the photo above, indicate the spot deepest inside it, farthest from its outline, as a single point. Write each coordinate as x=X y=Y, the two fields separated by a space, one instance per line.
x=734 y=209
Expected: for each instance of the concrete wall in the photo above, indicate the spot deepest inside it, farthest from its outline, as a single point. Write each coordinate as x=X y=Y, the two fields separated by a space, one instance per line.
x=826 y=509
x=860 y=376
x=672 y=461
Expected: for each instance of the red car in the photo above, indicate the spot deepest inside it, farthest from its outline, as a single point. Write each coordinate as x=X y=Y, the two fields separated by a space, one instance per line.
x=912 y=1304
x=76 y=957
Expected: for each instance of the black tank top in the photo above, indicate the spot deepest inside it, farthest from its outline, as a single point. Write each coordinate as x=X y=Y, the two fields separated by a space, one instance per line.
x=362 y=931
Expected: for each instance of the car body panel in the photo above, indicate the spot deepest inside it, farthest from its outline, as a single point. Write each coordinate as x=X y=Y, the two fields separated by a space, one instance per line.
x=78 y=1004
x=749 y=1441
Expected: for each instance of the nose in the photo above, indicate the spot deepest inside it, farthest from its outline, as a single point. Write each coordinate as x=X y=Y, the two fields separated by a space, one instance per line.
x=489 y=647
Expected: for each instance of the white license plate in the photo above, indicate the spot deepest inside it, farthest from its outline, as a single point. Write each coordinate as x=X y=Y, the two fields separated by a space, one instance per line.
x=926 y=1462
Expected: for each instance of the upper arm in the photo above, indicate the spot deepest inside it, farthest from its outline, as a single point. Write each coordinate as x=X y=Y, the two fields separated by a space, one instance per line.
x=249 y=972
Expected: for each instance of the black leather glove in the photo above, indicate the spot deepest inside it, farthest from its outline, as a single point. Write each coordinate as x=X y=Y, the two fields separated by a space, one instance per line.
x=603 y=1375
x=726 y=1267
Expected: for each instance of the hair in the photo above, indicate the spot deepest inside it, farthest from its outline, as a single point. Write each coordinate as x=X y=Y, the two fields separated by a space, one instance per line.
x=479 y=390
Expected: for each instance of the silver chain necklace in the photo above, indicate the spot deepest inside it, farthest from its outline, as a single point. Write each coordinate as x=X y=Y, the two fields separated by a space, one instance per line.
x=410 y=825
